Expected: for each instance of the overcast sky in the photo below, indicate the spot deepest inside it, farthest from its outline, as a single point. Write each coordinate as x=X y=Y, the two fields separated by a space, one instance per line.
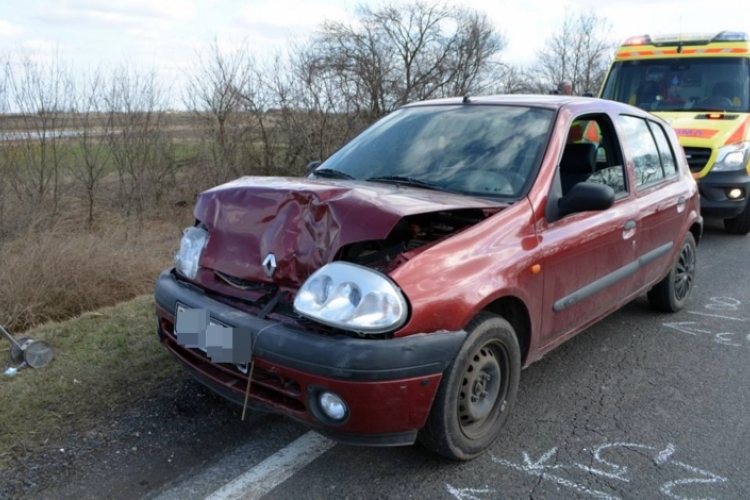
x=167 y=33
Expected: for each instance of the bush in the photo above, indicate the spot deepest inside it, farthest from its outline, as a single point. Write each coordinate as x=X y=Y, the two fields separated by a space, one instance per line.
x=61 y=272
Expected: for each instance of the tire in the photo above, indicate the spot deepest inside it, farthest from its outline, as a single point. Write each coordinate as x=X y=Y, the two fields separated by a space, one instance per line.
x=739 y=224
x=477 y=391
x=672 y=293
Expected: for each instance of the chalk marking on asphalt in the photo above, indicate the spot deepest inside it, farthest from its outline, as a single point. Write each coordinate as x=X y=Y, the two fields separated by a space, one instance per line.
x=275 y=469
x=717 y=316
x=665 y=455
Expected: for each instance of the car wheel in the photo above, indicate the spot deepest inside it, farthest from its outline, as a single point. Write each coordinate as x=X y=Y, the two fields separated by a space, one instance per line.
x=672 y=293
x=477 y=391
x=739 y=224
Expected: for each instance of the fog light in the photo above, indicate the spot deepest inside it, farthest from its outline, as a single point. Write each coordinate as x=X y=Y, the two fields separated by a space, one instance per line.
x=332 y=405
x=735 y=193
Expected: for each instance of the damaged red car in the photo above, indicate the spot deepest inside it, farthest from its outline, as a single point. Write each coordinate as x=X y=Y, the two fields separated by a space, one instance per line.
x=395 y=293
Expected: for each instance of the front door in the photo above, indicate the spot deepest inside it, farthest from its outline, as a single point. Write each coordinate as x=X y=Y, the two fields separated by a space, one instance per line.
x=589 y=257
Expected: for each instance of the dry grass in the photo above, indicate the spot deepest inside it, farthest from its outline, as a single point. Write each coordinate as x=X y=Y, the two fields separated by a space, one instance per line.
x=103 y=361
x=59 y=272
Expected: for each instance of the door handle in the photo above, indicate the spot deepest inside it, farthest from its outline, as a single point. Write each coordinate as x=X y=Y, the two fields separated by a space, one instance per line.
x=629 y=225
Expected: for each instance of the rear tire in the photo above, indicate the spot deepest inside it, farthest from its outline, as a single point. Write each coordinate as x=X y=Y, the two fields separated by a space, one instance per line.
x=739 y=224
x=672 y=293
x=477 y=391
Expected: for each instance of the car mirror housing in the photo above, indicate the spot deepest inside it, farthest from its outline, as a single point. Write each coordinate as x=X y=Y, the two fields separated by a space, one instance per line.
x=312 y=166
x=586 y=196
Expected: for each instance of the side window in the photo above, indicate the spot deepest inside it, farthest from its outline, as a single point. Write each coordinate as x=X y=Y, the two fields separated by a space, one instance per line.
x=592 y=154
x=646 y=160
x=666 y=154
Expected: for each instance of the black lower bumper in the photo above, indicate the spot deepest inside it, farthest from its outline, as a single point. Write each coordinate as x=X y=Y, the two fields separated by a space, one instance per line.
x=714 y=189
x=338 y=357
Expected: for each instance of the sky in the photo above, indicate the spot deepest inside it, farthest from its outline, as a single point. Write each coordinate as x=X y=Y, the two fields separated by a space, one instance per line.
x=166 y=34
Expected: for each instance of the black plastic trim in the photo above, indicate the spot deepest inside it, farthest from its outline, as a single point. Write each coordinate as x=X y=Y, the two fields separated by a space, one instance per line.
x=713 y=186
x=339 y=357
x=406 y=438
x=611 y=278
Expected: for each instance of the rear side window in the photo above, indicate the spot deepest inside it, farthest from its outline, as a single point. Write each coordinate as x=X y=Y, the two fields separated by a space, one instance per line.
x=666 y=154
x=643 y=150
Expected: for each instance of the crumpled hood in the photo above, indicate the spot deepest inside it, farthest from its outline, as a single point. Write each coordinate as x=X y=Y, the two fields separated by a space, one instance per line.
x=304 y=222
x=702 y=132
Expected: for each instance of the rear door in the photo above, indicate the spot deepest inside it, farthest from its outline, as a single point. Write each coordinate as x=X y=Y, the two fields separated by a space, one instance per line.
x=661 y=197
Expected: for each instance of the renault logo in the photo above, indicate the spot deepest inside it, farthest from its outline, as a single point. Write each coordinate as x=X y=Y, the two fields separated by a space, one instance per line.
x=269 y=264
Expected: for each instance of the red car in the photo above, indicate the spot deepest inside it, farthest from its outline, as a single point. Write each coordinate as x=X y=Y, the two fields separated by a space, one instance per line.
x=396 y=292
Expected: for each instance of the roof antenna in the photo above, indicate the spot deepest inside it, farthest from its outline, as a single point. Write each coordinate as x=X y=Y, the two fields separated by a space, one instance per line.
x=467 y=99
x=679 y=43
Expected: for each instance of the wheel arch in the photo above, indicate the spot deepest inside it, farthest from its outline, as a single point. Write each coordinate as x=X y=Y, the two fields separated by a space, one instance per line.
x=697 y=229
x=515 y=312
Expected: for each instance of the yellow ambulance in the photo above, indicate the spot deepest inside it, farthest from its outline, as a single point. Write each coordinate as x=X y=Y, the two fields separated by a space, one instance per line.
x=700 y=84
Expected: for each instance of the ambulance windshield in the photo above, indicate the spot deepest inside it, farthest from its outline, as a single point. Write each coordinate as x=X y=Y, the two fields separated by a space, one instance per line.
x=682 y=84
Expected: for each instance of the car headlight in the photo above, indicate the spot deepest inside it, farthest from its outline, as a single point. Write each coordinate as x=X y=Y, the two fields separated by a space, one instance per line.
x=191 y=247
x=352 y=297
x=732 y=157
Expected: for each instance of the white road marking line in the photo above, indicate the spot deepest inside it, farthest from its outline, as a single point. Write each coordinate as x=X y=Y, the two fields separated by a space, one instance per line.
x=275 y=469
x=716 y=316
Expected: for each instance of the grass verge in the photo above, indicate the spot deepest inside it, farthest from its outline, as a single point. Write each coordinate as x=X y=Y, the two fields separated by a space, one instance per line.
x=103 y=361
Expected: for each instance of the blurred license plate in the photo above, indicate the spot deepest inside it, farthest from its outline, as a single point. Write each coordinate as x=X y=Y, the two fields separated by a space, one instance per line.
x=181 y=309
x=202 y=346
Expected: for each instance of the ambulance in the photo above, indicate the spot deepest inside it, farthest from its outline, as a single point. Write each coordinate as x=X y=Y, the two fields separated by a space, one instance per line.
x=700 y=84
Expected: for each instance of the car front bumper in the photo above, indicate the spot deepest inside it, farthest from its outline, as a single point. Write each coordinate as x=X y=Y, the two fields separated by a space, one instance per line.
x=714 y=188
x=387 y=384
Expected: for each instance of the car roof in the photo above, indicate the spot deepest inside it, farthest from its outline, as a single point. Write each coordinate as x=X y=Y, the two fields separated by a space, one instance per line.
x=552 y=101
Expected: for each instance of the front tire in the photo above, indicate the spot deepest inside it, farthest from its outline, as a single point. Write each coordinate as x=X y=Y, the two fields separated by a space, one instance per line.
x=477 y=391
x=672 y=293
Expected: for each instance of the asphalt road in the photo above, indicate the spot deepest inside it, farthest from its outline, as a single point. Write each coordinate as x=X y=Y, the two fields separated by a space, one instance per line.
x=641 y=405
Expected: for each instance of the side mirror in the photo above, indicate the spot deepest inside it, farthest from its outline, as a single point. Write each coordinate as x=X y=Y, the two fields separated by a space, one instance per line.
x=313 y=165
x=585 y=197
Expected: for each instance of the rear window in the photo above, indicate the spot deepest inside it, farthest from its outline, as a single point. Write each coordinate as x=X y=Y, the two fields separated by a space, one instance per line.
x=682 y=84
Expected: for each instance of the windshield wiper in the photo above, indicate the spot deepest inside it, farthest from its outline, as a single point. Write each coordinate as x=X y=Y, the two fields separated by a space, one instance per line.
x=406 y=181
x=332 y=173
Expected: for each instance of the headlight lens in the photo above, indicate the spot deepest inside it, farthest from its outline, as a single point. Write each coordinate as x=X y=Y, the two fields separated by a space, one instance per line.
x=191 y=247
x=352 y=297
x=732 y=157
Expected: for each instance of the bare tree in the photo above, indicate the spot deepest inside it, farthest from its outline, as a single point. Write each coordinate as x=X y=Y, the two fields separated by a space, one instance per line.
x=580 y=52
x=515 y=79
x=41 y=94
x=215 y=100
x=400 y=53
x=317 y=113
x=4 y=137
x=475 y=61
x=142 y=154
x=92 y=156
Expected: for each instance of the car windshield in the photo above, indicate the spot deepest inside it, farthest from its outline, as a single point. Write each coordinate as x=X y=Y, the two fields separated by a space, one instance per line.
x=478 y=150
x=682 y=84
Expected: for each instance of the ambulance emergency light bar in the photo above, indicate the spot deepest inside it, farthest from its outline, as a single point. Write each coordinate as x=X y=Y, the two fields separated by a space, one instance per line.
x=687 y=38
